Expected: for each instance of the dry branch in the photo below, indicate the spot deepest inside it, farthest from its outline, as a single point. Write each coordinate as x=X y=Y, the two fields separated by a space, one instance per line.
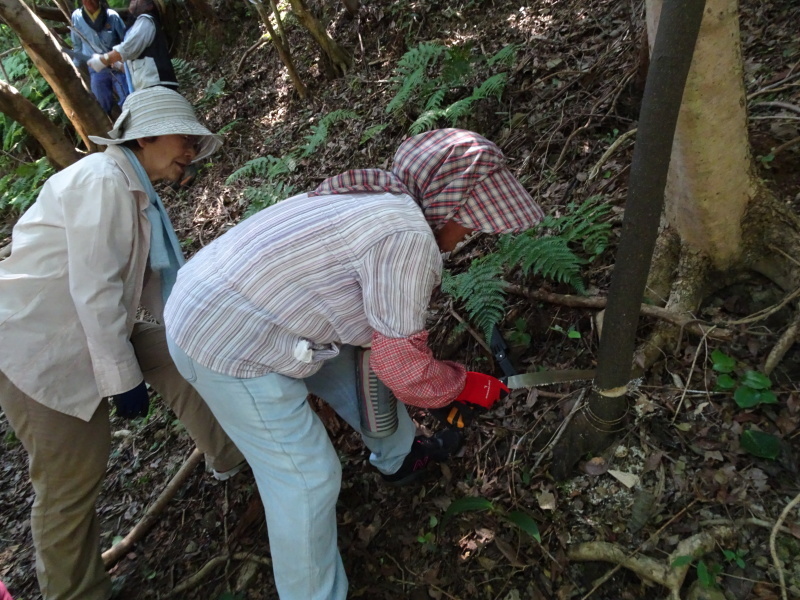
x=117 y=551
x=684 y=321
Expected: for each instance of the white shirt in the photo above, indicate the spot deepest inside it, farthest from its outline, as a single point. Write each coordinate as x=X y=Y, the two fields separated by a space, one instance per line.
x=281 y=290
x=71 y=287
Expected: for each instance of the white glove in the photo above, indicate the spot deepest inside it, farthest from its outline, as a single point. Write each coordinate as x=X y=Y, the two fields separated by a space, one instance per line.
x=95 y=63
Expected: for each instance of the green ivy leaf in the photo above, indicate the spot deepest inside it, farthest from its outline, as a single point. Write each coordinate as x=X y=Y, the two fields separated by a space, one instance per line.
x=722 y=362
x=575 y=335
x=756 y=380
x=725 y=382
x=760 y=444
x=526 y=523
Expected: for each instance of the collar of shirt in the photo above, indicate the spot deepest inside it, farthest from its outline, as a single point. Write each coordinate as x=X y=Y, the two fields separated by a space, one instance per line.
x=93 y=16
x=134 y=185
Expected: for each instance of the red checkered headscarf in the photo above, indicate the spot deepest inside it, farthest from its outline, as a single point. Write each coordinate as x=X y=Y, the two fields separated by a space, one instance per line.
x=452 y=174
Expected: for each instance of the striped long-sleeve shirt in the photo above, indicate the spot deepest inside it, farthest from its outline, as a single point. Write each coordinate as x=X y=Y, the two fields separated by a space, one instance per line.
x=280 y=291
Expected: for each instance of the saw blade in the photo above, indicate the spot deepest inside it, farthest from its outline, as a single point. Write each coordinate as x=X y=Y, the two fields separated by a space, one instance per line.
x=528 y=380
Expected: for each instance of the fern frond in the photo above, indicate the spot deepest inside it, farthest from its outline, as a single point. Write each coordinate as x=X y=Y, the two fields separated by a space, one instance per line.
x=265 y=196
x=493 y=86
x=426 y=121
x=411 y=73
x=482 y=290
x=549 y=257
x=423 y=56
x=371 y=132
x=435 y=99
x=409 y=84
x=585 y=224
x=185 y=73
x=264 y=166
x=506 y=56
x=458 y=109
x=319 y=132
x=457 y=66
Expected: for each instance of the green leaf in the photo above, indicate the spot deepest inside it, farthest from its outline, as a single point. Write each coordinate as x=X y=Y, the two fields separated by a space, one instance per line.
x=746 y=397
x=704 y=575
x=526 y=523
x=682 y=561
x=722 y=362
x=725 y=382
x=575 y=335
x=760 y=444
x=468 y=504
x=756 y=380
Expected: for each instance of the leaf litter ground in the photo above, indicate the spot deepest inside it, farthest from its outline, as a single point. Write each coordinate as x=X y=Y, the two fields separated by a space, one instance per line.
x=678 y=469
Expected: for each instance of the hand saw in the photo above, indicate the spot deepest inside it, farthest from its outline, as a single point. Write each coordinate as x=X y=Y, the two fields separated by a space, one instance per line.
x=529 y=380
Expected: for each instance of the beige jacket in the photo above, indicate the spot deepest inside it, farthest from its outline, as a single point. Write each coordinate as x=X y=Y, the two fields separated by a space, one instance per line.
x=71 y=287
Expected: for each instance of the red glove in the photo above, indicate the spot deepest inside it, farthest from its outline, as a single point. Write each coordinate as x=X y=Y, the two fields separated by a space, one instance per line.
x=479 y=394
x=483 y=390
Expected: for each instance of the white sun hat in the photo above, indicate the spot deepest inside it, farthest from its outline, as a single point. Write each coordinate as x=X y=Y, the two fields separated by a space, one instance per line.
x=158 y=111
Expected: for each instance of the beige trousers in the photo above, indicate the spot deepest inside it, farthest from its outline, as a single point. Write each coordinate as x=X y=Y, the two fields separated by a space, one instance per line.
x=68 y=459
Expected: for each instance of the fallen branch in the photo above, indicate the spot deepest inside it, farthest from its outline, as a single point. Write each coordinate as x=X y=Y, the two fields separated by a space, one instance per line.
x=684 y=321
x=212 y=564
x=595 y=170
x=259 y=42
x=120 y=549
x=774 y=534
x=782 y=346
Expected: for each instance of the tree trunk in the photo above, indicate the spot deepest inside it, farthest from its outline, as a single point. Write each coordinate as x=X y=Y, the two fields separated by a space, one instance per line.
x=279 y=42
x=711 y=179
x=77 y=101
x=338 y=57
x=59 y=150
x=594 y=427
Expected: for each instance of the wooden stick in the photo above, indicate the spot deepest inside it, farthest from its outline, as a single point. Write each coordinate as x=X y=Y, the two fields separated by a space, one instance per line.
x=120 y=549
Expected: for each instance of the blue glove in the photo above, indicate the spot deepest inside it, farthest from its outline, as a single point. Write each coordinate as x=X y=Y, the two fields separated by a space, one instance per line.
x=133 y=403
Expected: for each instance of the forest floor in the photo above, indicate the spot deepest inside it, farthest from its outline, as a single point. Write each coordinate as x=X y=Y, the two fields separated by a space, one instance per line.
x=678 y=477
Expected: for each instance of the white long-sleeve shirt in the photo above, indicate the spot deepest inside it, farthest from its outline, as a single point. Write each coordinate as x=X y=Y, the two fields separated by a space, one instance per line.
x=71 y=287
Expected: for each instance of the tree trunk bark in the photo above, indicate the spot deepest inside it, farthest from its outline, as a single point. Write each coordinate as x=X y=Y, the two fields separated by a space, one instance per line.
x=77 y=101
x=339 y=58
x=594 y=427
x=59 y=150
x=280 y=44
x=711 y=180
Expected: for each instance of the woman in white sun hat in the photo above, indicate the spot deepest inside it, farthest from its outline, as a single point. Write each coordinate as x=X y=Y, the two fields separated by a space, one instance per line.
x=95 y=246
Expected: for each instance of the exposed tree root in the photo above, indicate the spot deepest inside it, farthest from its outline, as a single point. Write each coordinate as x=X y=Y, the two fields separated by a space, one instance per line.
x=120 y=549
x=657 y=571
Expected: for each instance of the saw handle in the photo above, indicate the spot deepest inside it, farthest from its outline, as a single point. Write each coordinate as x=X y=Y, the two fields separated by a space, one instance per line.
x=480 y=393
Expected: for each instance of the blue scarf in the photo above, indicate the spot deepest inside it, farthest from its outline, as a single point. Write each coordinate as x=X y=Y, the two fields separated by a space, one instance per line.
x=166 y=256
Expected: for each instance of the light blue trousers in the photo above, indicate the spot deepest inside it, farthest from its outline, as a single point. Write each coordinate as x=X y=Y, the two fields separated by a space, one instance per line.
x=294 y=463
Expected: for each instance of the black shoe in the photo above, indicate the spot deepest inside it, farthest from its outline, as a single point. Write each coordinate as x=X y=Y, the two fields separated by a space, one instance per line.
x=437 y=448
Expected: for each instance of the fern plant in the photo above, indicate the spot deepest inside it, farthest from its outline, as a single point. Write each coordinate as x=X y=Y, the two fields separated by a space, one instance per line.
x=185 y=73
x=319 y=132
x=430 y=73
x=557 y=249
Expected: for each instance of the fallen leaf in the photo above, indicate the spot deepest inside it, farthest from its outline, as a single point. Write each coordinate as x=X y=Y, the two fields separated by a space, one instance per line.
x=546 y=499
x=629 y=480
